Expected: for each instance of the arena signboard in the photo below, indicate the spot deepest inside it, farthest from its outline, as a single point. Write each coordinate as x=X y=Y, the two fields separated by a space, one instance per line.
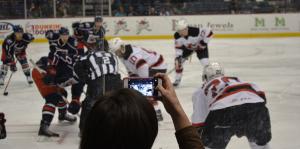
x=162 y=27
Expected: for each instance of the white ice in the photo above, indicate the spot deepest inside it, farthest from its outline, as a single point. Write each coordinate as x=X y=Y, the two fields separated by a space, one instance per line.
x=272 y=63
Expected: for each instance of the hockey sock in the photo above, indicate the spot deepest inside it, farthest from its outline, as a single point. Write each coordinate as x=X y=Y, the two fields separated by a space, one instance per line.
x=48 y=112
x=204 y=61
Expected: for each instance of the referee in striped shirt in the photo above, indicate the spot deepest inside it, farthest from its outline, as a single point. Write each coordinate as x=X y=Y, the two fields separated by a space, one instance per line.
x=96 y=69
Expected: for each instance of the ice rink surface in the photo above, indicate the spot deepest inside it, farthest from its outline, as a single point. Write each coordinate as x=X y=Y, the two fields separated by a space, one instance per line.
x=273 y=64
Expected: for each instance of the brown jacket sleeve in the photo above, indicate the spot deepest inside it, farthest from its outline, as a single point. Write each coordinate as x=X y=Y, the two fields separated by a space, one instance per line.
x=188 y=138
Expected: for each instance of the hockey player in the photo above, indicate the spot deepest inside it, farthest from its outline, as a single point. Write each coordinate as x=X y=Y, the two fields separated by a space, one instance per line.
x=139 y=62
x=53 y=95
x=15 y=45
x=2 y=126
x=83 y=30
x=225 y=106
x=99 y=70
x=187 y=41
x=63 y=53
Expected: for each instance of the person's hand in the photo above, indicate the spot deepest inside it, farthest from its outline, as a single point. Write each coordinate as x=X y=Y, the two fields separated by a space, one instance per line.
x=171 y=102
x=167 y=90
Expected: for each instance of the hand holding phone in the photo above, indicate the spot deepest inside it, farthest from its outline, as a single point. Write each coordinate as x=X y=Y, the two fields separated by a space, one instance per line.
x=146 y=86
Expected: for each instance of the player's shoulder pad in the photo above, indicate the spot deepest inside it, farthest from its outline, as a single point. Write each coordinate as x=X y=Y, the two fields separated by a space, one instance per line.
x=193 y=31
x=87 y=24
x=51 y=35
x=27 y=37
x=176 y=36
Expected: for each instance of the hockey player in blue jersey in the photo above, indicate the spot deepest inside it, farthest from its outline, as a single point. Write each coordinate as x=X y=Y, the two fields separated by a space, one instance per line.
x=62 y=55
x=83 y=30
x=14 y=46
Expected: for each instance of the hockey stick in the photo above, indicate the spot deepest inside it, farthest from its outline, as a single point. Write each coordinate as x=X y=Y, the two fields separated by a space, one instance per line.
x=35 y=66
x=5 y=92
x=170 y=71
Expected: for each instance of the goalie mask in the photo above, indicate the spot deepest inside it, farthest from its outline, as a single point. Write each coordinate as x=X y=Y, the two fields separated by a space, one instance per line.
x=212 y=71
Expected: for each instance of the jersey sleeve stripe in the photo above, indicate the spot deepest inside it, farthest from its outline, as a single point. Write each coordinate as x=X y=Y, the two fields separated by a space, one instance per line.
x=140 y=63
x=198 y=124
x=158 y=62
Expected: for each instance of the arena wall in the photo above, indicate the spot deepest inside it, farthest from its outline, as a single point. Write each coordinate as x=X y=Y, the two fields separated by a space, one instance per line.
x=162 y=27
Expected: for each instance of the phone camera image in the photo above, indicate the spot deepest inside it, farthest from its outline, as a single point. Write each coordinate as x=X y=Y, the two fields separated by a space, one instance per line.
x=146 y=86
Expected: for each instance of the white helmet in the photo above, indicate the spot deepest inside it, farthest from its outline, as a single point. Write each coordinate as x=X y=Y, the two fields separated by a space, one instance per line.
x=181 y=24
x=115 y=44
x=211 y=71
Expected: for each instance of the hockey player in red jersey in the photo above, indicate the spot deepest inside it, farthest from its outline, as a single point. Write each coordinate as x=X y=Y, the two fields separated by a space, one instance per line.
x=15 y=45
x=53 y=95
x=226 y=106
x=187 y=41
x=139 y=62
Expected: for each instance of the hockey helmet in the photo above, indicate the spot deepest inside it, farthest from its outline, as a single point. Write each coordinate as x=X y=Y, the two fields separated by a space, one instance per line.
x=211 y=71
x=64 y=31
x=115 y=44
x=98 y=19
x=18 y=29
x=181 y=25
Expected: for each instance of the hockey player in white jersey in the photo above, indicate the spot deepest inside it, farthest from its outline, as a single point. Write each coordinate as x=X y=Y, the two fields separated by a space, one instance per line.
x=225 y=106
x=187 y=41
x=139 y=62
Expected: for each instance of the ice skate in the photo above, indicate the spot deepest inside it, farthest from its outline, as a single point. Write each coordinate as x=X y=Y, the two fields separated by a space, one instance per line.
x=159 y=115
x=45 y=132
x=67 y=117
x=176 y=82
x=29 y=80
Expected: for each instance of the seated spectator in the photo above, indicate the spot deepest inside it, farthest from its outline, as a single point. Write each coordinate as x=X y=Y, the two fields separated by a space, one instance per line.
x=62 y=8
x=152 y=11
x=131 y=11
x=34 y=11
x=120 y=12
x=126 y=119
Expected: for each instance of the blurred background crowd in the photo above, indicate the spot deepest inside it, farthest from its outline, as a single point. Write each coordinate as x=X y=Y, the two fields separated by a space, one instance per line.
x=19 y=9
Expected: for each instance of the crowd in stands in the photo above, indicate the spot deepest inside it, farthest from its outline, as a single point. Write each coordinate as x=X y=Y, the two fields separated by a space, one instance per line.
x=73 y=8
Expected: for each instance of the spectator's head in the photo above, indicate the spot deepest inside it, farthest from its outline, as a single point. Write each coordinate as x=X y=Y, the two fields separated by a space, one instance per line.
x=98 y=21
x=211 y=71
x=117 y=46
x=181 y=27
x=64 y=34
x=122 y=119
x=18 y=31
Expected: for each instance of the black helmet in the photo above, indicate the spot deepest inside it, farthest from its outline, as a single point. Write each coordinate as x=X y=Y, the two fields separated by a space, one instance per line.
x=64 y=31
x=18 y=29
x=98 y=19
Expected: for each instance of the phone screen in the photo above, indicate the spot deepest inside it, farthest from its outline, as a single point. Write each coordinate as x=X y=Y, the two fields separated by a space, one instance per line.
x=146 y=86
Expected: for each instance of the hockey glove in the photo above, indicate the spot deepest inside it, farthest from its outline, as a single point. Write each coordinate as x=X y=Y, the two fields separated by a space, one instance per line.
x=74 y=106
x=202 y=45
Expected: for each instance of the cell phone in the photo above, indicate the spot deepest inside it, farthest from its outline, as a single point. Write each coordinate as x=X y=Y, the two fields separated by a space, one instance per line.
x=146 y=86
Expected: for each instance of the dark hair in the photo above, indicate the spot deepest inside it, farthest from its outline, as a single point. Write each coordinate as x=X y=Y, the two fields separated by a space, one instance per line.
x=123 y=119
